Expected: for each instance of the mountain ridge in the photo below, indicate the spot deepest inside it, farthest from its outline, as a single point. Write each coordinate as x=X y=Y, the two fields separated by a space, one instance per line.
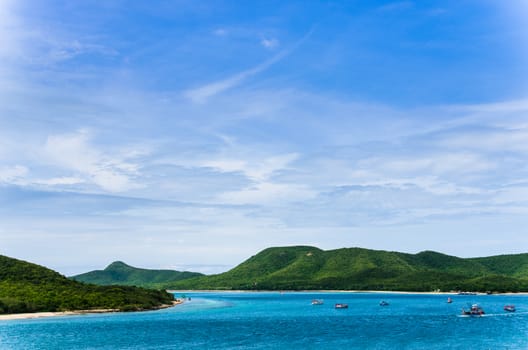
x=120 y=273
x=310 y=268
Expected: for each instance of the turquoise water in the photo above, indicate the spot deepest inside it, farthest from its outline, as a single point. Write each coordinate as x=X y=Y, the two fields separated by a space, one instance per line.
x=288 y=320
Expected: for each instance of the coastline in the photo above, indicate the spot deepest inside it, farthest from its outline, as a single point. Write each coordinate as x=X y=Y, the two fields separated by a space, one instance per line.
x=329 y=291
x=34 y=315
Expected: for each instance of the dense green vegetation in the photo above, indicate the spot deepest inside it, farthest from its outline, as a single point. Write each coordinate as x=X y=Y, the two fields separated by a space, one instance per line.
x=119 y=273
x=308 y=268
x=26 y=287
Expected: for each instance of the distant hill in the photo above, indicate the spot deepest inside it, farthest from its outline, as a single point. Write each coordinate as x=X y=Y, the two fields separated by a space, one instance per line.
x=26 y=287
x=310 y=268
x=119 y=273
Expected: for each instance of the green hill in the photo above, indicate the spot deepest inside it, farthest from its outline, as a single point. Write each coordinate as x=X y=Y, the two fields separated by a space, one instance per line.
x=309 y=268
x=26 y=287
x=119 y=273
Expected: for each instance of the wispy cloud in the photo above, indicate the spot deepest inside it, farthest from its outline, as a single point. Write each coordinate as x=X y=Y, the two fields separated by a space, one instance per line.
x=73 y=152
x=220 y=32
x=25 y=43
x=259 y=169
x=396 y=6
x=10 y=27
x=270 y=43
x=12 y=174
x=262 y=189
x=201 y=94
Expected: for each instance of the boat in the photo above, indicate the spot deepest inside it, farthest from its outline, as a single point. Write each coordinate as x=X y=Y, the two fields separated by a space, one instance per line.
x=317 y=302
x=474 y=311
x=449 y=300
x=341 y=306
x=509 y=308
x=384 y=303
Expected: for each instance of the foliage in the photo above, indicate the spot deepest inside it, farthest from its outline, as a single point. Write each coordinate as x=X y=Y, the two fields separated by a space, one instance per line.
x=310 y=268
x=26 y=287
x=119 y=273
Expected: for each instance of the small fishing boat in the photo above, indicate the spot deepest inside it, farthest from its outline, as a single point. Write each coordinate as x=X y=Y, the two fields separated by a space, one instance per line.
x=384 y=303
x=509 y=308
x=341 y=306
x=317 y=302
x=474 y=311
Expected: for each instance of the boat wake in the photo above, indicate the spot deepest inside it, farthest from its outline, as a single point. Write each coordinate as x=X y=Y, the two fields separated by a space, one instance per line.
x=203 y=304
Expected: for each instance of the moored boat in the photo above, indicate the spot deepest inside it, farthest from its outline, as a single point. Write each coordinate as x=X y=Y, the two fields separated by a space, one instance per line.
x=384 y=303
x=509 y=308
x=317 y=302
x=449 y=300
x=341 y=306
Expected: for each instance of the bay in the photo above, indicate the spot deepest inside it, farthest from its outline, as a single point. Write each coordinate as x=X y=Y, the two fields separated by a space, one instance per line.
x=273 y=320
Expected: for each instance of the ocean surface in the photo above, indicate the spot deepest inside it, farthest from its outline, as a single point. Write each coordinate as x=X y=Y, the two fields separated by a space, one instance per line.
x=286 y=321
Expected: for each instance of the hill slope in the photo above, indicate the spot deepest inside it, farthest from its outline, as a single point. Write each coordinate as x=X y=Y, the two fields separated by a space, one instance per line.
x=26 y=287
x=119 y=273
x=305 y=268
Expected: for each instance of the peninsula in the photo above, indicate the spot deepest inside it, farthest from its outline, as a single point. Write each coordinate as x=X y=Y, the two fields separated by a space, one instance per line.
x=28 y=288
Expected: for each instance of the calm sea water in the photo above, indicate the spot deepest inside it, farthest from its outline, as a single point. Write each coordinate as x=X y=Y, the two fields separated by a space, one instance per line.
x=288 y=320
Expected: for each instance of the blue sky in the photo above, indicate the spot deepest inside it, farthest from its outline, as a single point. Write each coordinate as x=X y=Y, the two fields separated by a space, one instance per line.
x=191 y=135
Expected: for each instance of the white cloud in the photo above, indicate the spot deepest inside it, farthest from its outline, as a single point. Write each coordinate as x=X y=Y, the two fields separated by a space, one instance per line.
x=267 y=193
x=511 y=195
x=259 y=169
x=75 y=153
x=201 y=94
x=25 y=42
x=445 y=163
x=397 y=6
x=494 y=141
x=220 y=32
x=270 y=43
x=9 y=29
x=520 y=105
x=13 y=174
x=63 y=180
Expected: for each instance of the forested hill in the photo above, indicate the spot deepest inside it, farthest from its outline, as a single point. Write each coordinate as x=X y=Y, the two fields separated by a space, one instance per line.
x=119 y=273
x=26 y=287
x=310 y=268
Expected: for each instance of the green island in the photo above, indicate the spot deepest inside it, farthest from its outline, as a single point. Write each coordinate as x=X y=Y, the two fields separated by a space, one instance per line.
x=310 y=268
x=27 y=287
x=119 y=273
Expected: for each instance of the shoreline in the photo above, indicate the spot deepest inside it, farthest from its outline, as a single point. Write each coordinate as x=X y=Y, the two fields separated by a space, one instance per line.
x=35 y=315
x=331 y=291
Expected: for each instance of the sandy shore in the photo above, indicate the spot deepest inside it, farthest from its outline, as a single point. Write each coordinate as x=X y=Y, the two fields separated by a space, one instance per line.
x=74 y=313
x=332 y=291
x=53 y=314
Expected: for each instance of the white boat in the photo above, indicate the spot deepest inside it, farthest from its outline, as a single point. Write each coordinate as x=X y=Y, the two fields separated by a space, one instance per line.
x=474 y=311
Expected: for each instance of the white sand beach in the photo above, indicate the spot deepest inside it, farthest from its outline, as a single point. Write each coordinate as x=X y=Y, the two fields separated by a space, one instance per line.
x=53 y=314
x=33 y=315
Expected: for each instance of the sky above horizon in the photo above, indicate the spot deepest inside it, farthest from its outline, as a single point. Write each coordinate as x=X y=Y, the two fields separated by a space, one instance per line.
x=191 y=135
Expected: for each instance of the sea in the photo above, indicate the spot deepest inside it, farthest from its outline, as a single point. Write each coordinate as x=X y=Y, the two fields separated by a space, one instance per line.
x=286 y=320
